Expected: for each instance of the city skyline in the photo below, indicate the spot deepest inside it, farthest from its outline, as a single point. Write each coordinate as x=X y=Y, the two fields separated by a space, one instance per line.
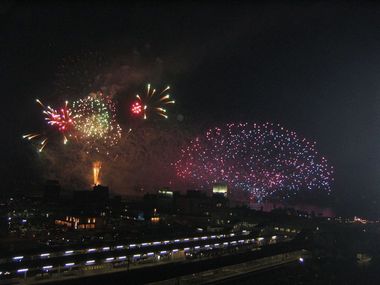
x=264 y=66
x=190 y=142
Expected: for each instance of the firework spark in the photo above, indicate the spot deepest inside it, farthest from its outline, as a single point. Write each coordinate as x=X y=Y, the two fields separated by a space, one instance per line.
x=136 y=108
x=30 y=136
x=262 y=159
x=95 y=121
x=152 y=102
x=60 y=119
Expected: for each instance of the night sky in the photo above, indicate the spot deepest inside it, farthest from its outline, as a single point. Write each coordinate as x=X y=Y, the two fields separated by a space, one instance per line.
x=313 y=67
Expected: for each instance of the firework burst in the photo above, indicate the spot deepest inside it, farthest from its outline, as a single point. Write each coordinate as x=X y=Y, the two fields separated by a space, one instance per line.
x=60 y=119
x=152 y=102
x=95 y=121
x=263 y=159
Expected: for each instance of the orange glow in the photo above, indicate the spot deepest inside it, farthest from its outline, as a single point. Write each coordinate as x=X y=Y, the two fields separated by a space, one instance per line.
x=96 y=166
x=155 y=219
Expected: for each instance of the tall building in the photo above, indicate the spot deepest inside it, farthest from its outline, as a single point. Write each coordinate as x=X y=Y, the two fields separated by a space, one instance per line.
x=52 y=190
x=101 y=194
x=88 y=202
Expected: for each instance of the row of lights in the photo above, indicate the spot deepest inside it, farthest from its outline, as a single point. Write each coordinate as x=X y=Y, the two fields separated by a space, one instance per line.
x=110 y=259
x=69 y=252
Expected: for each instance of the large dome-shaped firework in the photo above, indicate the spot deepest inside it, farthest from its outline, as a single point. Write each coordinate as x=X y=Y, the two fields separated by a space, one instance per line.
x=263 y=159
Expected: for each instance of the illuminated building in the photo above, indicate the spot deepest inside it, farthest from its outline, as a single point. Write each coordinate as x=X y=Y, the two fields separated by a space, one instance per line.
x=163 y=200
x=165 y=192
x=220 y=189
x=81 y=222
x=155 y=218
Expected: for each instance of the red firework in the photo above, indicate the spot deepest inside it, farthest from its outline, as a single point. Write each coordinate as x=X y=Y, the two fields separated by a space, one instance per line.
x=136 y=108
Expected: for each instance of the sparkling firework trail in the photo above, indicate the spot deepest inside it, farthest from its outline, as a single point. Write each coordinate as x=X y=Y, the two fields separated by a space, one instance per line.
x=152 y=102
x=60 y=119
x=30 y=136
x=43 y=144
x=263 y=159
x=96 y=166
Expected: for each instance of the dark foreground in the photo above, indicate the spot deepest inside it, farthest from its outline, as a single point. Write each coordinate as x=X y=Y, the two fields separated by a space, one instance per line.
x=311 y=273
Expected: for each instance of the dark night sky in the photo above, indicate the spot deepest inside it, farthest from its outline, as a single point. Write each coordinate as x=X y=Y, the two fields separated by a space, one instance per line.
x=313 y=67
